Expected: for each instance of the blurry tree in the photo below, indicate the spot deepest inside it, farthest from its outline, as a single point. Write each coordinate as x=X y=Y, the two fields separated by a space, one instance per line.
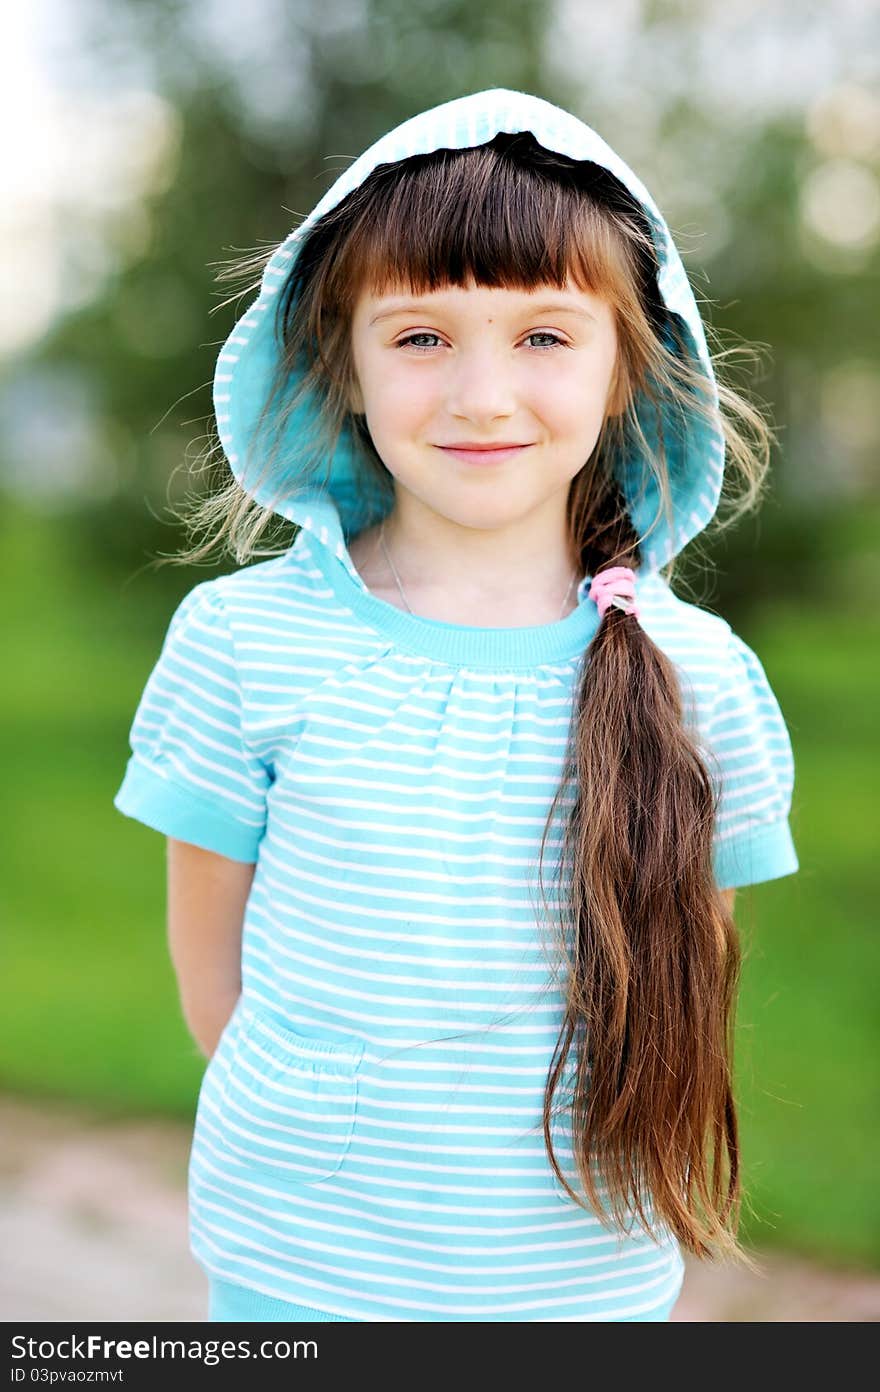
x=765 y=291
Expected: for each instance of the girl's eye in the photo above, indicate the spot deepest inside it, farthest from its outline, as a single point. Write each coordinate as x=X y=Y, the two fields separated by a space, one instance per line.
x=555 y=341
x=412 y=337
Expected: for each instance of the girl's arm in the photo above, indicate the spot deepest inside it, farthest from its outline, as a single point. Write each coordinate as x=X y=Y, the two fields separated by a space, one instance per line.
x=207 y=894
x=728 y=895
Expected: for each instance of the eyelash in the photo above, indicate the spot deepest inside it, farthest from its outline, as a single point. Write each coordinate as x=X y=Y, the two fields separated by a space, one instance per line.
x=547 y=348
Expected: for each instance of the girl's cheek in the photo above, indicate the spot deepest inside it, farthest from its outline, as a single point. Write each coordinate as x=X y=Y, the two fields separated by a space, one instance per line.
x=407 y=398
x=560 y=403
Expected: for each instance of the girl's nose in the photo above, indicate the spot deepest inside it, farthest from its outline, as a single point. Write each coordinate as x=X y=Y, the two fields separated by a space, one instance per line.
x=481 y=387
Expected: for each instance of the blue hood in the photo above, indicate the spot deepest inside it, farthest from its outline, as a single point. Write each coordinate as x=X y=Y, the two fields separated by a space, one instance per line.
x=338 y=511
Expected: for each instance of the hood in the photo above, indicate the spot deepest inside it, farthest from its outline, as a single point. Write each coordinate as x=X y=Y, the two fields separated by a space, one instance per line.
x=337 y=511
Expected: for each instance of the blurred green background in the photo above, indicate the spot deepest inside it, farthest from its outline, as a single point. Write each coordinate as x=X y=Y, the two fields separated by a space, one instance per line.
x=209 y=129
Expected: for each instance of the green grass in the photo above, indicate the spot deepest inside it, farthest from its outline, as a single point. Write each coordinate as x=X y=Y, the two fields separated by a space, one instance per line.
x=90 y=1007
x=808 y=1034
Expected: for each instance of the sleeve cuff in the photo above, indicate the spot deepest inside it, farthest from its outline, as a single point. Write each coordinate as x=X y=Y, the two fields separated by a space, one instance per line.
x=765 y=853
x=150 y=798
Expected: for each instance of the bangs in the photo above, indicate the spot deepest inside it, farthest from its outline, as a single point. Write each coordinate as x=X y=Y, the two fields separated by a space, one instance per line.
x=508 y=214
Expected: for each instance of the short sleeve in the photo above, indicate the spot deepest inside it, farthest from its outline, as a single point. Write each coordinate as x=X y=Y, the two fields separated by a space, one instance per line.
x=751 y=759
x=191 y=774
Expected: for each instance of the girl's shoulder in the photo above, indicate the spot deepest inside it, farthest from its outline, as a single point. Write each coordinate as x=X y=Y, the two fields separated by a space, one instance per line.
x=279 y=614
x=687 y=633
x=290 y=590
x=287 y=570
x=720 y=673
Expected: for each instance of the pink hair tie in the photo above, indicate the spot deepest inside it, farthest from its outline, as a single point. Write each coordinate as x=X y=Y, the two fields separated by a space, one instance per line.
x=616 y=586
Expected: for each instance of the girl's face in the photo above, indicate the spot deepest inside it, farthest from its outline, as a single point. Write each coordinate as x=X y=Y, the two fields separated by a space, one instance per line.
x=480 y=365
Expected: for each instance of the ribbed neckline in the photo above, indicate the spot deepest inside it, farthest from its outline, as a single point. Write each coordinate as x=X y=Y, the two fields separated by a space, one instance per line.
x=457 y=643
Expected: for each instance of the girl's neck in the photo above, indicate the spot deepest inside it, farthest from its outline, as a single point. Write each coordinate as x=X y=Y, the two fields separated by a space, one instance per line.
x=449 y=587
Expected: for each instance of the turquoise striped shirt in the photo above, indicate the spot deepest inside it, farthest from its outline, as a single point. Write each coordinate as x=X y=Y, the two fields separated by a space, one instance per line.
x=368 y=1135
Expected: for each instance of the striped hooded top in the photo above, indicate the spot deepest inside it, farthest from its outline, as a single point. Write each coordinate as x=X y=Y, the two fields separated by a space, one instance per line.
x=368 y=1136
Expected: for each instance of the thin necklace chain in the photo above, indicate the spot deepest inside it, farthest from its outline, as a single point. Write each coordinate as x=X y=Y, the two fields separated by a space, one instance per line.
x=400 y=586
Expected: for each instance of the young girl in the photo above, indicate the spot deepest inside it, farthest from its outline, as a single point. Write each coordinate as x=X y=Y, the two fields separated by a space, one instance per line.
x=457 y=790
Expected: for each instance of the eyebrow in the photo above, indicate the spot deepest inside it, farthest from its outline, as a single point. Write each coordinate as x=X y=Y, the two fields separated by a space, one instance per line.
x=556 y=307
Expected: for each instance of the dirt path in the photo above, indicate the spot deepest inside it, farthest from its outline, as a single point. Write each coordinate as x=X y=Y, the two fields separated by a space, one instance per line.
x=93 y=1226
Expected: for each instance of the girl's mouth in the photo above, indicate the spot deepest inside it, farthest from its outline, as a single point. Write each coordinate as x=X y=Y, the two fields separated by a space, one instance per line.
x=485 y=454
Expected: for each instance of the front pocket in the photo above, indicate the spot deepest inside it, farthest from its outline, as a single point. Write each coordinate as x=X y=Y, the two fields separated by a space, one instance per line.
x=288 y=1100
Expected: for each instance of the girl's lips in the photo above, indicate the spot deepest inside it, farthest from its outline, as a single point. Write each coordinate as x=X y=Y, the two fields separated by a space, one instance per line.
x=484 y=456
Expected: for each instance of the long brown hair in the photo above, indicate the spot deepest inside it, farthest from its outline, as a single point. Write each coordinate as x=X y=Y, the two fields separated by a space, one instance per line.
x=652 y=954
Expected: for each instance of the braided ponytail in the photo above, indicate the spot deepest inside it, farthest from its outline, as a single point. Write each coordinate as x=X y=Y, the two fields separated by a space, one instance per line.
x=653 y=955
